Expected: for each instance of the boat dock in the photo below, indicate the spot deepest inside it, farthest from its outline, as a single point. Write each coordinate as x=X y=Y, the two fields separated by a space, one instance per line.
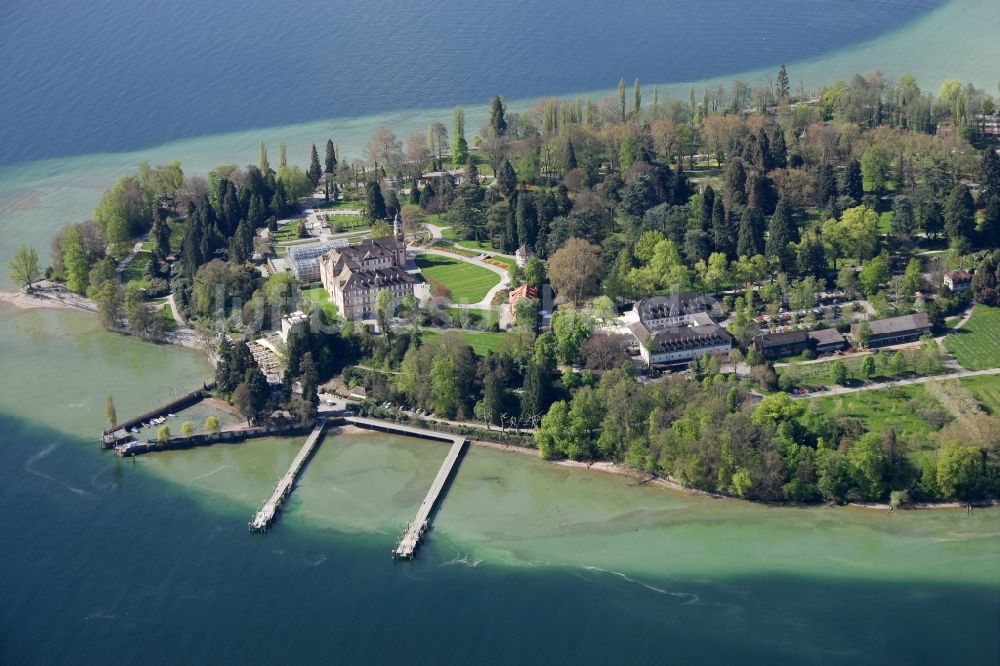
x=237 y=433
x=111 y=437
x=262 y=520
x=414 y=533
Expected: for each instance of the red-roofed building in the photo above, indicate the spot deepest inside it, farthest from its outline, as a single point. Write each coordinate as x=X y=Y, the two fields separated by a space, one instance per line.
x=519 y=293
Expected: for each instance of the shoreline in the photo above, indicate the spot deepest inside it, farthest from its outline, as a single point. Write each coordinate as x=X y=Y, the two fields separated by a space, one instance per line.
x=607 y=467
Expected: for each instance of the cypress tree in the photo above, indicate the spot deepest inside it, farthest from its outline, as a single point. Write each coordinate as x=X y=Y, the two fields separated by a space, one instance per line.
x=497 y=120
x=570 y=155
x=780 y=232
x=827 y=185
x=331 y=157
x=779 y=152
x=526 y=219
x=707 y=203
x=749 y=239
x=853 y=182
x=315 y=171
x=959 y=214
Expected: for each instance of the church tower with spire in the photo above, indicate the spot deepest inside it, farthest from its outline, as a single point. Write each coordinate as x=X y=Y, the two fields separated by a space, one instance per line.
x=397 y=227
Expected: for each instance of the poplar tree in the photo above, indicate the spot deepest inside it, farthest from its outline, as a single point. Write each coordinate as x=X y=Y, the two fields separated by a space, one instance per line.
x=636 y=99
x=262 y=162
x=459 y=146
x=282 y=158
x=109 y=411
x=621 y=96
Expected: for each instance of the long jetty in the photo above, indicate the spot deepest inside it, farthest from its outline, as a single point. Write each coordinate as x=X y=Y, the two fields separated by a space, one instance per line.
x=262 y=520
x=415 y=529
x=119 y=433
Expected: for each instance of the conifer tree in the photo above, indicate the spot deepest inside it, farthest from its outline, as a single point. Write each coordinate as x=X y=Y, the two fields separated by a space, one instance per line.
x=748 y=242
x=780 y=232
x=784 y=88
x=331 y=157
x=853 y=182
x=315 y=171
x=497 y=120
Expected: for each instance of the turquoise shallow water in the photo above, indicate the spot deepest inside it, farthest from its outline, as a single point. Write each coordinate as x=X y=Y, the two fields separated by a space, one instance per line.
x=109 y=560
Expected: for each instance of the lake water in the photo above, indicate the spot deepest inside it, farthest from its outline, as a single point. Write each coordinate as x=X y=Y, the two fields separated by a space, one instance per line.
x=105 y=561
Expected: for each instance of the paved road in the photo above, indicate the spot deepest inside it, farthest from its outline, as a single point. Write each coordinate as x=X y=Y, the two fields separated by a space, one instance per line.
x=841 y=390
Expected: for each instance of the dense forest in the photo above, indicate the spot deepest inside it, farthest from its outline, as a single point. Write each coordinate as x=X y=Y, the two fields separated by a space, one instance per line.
x=756 y=194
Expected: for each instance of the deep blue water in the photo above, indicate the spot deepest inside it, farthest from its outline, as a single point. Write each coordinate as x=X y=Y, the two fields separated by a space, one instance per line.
x=99 y=564
x=110 y=75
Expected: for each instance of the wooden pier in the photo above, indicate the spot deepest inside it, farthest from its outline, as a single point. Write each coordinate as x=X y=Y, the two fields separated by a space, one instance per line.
x=414 y=533
x=262 y=520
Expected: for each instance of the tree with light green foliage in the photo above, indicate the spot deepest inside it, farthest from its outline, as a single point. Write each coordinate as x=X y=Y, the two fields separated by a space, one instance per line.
x=838 y=372
x=959 y=470
x=211 y=425
x=874 y=166
x=187 y=429
x=163 y=433
x=110 y=413
x=24 y=268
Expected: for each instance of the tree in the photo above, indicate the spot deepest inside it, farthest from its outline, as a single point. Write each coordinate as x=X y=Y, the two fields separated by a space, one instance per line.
x=315 y=171
x=262 y=162
x=571 y=330
x=854 y=182
x=241 y=400
x=533 y=272
x=445 y=390
x=330 y=164
x=536 y=391
x=986 y=281
x=750 y=237
x=459 y=146
x=959 y=214
x=110 y=414
x=780 y=232
x=838 y=372
x=498 y=123
x=575 y=269
x=867 y=462
x=869 y=368
x=989 y=176
x=374 y=202
x=874 y=274
x=385 y=150
x=621 y=97
x=506 y=178
x=383 y=310
x=863 y=334
x=636 y=99
x=211 y=425
x=24 y=266
x=959 y=470
x=784 y=87
x=163 y=433
x=187 y=428
x=874 y=166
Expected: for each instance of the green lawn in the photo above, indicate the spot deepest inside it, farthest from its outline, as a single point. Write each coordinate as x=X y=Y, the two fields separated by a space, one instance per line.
x=341 y=223
x=451 y=247
x=475 y=318
x=885 y=221
x=481 y=342
x=319 y=295
x=977 y=344
x=898 y=408
x=468 y=283
x=134 y=272
x=287 y=232
x=986 y=388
